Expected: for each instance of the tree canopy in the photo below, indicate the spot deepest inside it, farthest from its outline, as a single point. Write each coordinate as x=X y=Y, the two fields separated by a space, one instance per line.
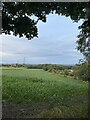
x=17 y=17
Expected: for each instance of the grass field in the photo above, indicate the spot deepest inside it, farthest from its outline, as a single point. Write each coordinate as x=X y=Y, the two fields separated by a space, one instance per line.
x=36 y=93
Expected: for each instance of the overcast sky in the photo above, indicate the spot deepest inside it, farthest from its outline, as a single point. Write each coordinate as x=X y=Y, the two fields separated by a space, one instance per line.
x=56 y=44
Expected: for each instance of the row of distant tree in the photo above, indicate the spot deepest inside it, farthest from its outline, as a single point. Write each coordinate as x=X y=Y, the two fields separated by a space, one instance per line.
x=46 y=67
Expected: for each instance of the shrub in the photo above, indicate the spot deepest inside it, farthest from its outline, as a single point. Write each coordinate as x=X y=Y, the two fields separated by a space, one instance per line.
x=66 y=72
x=82 y=72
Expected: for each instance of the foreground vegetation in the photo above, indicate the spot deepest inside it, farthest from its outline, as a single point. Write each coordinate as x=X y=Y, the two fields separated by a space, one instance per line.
x=58 y=96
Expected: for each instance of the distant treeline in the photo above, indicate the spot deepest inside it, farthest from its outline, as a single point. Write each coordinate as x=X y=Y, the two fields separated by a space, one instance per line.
x=39 y=66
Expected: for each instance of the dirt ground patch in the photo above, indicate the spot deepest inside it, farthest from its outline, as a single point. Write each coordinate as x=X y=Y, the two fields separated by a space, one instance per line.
x=10 y=110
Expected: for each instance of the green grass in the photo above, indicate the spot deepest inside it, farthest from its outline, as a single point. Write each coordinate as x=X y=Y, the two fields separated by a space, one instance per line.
x=22 y=86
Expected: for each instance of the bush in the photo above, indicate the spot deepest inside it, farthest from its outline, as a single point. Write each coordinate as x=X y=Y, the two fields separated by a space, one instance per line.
x=82 y=72
x=66 y=72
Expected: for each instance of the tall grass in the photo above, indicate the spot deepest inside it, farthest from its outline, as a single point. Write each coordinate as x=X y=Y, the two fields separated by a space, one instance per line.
x=32 y=86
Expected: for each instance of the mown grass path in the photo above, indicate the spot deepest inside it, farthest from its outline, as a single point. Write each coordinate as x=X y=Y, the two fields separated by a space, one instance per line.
x=43 y=93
